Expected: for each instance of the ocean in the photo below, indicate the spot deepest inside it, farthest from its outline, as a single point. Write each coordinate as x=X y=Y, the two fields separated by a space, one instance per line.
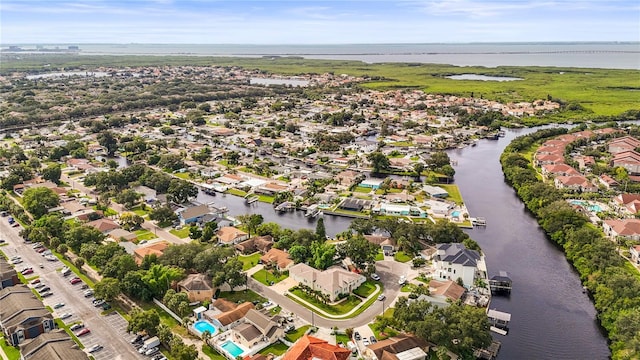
x=609 y=55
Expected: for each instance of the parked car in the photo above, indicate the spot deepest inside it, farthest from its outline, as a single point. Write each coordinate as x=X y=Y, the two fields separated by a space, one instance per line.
x=402 y=280
x=41 y=250
x=16 y=261
x=375 y=277
x=88 y=293
x=82 y=332
x=373 y=339
x=365 y=342
x=98 y=302
x=46 y=294
x=106 y=306
x=45 y=288
x=151 y=351
x=136 y=339
x=84 y=286
x=94 y=348
x=15 y=224
x=27 y=271
x=2 y=241
x=65 y=316
x=77 y=326
x=37 y=245
x=289 y=328
x=267 y=304
x=381 y=297
x=34 y=281
x=75 y=280
x=356 y=335
x=58 y=305
x=39 y=285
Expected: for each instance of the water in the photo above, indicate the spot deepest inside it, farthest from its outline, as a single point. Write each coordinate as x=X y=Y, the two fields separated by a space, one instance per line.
x=551 y=317
x=202 y=325
x=292 y=82
x=482 y=77
x=67 y=73
x=608 y=55
x=233 y=349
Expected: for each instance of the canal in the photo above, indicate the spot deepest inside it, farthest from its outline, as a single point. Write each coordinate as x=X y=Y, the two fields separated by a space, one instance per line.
x=551 y=317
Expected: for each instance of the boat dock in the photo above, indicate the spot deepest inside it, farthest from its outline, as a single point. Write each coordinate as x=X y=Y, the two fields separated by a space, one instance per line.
x=478 y=221
x=251 y=199
x=286 y=206
x=490 y=352
x=501 y=283
x=499 y=319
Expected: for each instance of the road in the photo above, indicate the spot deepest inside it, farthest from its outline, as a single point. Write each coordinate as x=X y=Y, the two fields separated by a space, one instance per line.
x=389 y=272
x=109 y=330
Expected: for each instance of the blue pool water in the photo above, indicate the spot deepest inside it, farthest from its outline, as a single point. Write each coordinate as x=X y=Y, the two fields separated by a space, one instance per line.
x=202 y=325
x=232 y=348
x=455 y=213
x=590 y=207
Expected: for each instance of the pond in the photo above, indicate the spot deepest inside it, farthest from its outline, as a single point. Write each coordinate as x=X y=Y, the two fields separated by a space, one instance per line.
x=478 y=77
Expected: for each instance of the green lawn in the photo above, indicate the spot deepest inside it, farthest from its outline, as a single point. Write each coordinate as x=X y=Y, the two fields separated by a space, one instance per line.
x=266 y=199
x=362 y=189
x=139 y=211
x=61 y=325
x=339 y=309
x=277 y=349
x=183 y=175
x=366 y=289
x=297 y=333
x=241 y=296
x=249 y=261
x=342 y=338
x=236 y=192
x=379 y=256
x=266 y=277
x=11 y=352
x=401 y=257
x=182 y=233
x=73 y=268
x=212 y=353
x=144 y=234
x=408 y=287
x=454 y=192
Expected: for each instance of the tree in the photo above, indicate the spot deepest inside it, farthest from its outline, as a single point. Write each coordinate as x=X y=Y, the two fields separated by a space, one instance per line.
x=251 y=222
x=133 y=285
x=234 y=274
x=322 y=255
x=180 y=191
x=359 y=250
x=128 y=198
x=38 y=200
x=78 y=235
x=165 y=334
x=79 y=263
x=120 y=266
x=146 y=321
x=107 y=289
x=52 y=173
x=108 y=141
x=299 y=253
x=163 y=215
x=195 y=232
x=131 y=221
x=159 y=278
x=321 y=232
x=379 y=161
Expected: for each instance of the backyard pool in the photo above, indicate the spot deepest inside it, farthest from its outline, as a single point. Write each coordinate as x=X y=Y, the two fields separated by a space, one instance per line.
x=586 y=205
x=231 y=348
x=203 y=325
x=455 y=214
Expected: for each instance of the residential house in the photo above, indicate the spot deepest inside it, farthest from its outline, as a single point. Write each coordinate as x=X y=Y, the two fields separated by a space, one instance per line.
x=384 y=208
x=8 y=274
x=122 y=235
x=257 y=327
x=230 y=179
x=347 y=177
x=387 y=244
x=54 y=345
x=625 y=228
x=400 y=163
x=575 y=183
x=559 y=170
x=149 y=195
x=193 y=214
x=197 y=286
x=435 y=191
x=312 y=348
x=156 y=248
x=622 y=144
x=104 y=225
x=230 y=235
x=333 y=282
x=260 y=244
x=627 y=203
x=270 y=188
x=22 y=315
x=548 y=159
x=229 y=318
x=629 y=160
x=372 y=183
x=400 y=347
x=73 y=209
x=442 y=293
x=454 y=260
x=277 y=257
x=634 y=252
x=607 y=181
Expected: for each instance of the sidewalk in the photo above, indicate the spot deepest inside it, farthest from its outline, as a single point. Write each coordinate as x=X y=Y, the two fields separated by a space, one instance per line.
x=331 y=316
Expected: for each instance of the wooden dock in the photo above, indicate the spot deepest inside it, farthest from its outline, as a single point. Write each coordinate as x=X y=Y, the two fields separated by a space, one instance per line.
x=501 y=283
x=490 y=352
x=252 y=199
x=499 y=319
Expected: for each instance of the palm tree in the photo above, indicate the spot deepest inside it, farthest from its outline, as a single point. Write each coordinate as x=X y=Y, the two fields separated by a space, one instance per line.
x=206 y=335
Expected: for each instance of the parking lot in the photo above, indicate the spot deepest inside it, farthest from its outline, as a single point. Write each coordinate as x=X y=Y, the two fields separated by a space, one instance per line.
x=107 y=330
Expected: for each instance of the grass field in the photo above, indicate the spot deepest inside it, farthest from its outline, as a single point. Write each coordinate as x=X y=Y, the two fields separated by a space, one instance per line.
x=266 y=277
x=297 y=333
x=277 y=349
x=401 y=257
x=249 y=261
x=11 y=352
x=454 y=193
x=144 y=234
x=211 y=353
x=338 y=309
x=241 y=296
x=366 y=289
x=182 y=233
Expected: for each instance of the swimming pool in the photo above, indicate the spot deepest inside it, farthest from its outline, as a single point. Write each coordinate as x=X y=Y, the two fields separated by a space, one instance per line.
x=586 y=205
x=203 y=325
x=455 y=213
x=232 y=348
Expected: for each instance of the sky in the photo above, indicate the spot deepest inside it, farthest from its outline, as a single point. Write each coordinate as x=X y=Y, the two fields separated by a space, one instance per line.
x=316 y=22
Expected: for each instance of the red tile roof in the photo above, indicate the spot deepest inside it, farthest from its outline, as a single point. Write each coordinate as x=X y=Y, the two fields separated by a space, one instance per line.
x=309 y=347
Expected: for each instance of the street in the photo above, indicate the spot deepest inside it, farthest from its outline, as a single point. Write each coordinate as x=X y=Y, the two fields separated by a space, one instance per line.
x=109 y=330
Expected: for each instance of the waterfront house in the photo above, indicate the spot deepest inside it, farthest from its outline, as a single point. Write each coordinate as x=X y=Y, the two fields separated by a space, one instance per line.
x=622 y=144
x=629 y=160
x=312 y=348
x=256 y=327
x=193 y=214
x=384 y=208
x=254 y=244
x=371 y=183
x=454 y=260
x=347 y=178
x=559 y=170
x=625 y=228
x=54 y=345
x=634 y=253
x=435 y=191
x=8 y=274
x=333 y=282
x=277 y=257
x=22 y=315
x=443 y=293
x=400 y=347
x=627 y=204
x=197 y=287
x=230 y=235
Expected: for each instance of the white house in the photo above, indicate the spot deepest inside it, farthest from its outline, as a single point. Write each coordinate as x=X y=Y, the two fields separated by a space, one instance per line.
x=333 y=281
x=634 y=252
x=454 y=260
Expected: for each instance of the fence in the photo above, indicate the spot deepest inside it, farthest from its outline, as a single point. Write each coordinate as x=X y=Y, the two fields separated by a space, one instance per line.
x=163 y=307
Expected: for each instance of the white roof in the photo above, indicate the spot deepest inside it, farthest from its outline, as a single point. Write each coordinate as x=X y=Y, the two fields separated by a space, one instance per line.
x=395 y=208
x=372 y=182
x=199 y=309
x=411 y=354
x=253 y=182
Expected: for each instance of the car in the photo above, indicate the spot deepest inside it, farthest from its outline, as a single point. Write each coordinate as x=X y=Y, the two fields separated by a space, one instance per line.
x=82 y=332
x=157 y=357
x=65 y=316
x=356 y=335
x=136 y=339
x=46 y=294
x=402 y=280
x=365 y=342
x=66 y=273
x=84 y=286
x=41 y=265
x=98 y=302
x=151 y=351
x=15 y=224
x=46 y=252
x=106 y=306
x=75 y=280
x=37 y=245
x=373 y=339
x=2 y=241
x=88 y=293
x=289 y=328
x=16 y=261
x=58 y=305
x=27 y=271
x=51 y=258
x=375 y=277
x=45 y=288
x=94 y=348
x=77 y=326
x=381 y=297
x=267 y=304
x=142 y=242
x=41 y=250
x=35 y=281
x=39 y=285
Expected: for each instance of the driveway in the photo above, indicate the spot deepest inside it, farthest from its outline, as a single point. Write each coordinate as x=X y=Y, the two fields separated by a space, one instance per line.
x=106 y=330
x=389 y=271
